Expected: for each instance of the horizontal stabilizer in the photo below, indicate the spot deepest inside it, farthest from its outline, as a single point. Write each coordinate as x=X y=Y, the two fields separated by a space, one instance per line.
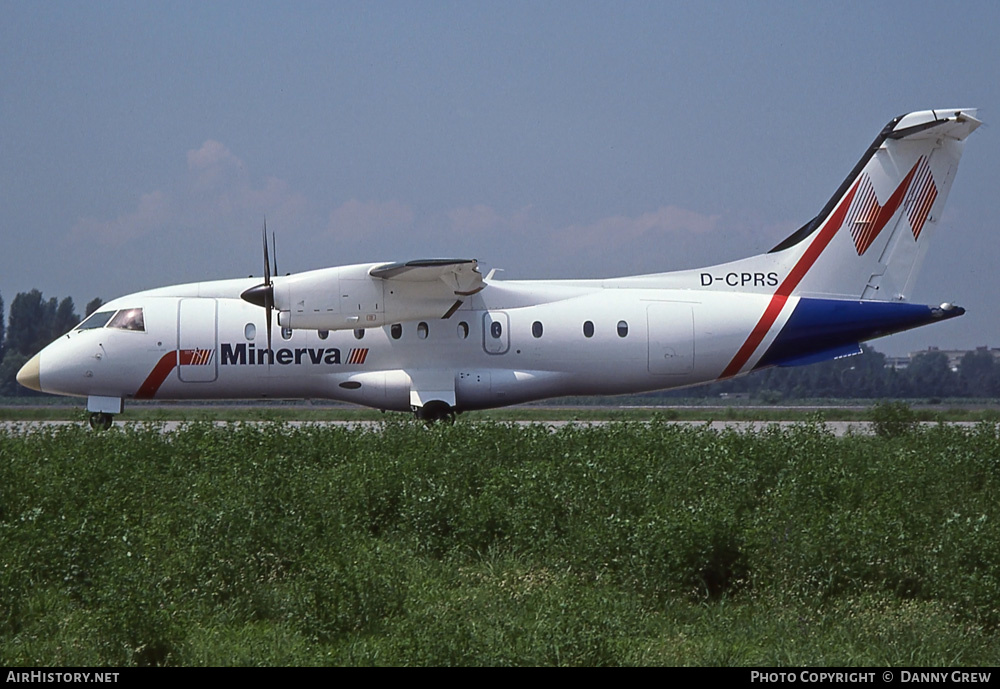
x=828 y=325
x=825 y=355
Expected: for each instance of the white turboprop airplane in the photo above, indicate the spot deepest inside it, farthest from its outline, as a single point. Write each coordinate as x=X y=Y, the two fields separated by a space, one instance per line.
x=436 y=338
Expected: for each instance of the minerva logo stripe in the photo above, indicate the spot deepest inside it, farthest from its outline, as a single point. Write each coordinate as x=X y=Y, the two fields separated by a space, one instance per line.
x=357 y=356
x=166 y=364
x=795 y=276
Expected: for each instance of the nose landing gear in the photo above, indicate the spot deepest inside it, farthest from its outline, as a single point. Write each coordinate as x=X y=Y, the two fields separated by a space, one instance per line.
x=101 y=421
x=102 y=410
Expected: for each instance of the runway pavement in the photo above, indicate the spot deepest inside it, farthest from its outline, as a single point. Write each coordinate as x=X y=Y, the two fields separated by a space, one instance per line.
x=838 y=428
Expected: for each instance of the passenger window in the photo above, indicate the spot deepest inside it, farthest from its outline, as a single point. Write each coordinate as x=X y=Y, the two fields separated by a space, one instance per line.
x=496 y=330
x=622 y=328
x=359 y=333
x=286 y=333
x=128 y=319
x=536 y=328
x=396 y=330
x=422 y=330
x=250 y=331
x=96 y=320
x=588 y=328
x=463 y=330
x=323 y=334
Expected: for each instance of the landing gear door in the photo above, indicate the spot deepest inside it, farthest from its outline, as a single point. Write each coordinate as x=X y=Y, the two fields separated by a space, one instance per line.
x=197 y=340
x=496 y=332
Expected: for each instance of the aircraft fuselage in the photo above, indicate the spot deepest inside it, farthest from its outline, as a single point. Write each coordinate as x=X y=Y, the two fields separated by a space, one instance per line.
x=436 y=337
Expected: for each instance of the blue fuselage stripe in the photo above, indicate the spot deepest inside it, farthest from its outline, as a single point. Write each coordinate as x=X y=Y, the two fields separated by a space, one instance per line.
x=820 y=325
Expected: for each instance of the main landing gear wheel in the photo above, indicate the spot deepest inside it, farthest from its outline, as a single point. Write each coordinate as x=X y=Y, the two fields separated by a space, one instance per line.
x=435 y=411
x=101 y=421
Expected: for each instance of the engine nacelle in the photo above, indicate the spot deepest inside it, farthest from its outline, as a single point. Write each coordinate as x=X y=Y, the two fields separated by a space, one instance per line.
x=330 y=299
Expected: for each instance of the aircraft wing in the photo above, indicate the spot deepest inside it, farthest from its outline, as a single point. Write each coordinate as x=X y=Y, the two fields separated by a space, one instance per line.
x=373 y=295
x=461 y=275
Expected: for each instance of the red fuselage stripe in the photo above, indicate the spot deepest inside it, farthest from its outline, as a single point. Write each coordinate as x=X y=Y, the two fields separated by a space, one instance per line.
x=812 y=252
x=795 y=276
x=167 y=363
x=156 y=377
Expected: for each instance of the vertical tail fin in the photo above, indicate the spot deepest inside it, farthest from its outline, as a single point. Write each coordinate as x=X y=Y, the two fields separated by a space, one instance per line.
x=870 y=239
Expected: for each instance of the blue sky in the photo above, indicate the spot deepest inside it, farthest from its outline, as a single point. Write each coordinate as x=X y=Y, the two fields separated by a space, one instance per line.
x=141 y=144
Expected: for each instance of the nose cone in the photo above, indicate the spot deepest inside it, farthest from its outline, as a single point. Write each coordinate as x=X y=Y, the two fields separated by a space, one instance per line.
x=28 y=375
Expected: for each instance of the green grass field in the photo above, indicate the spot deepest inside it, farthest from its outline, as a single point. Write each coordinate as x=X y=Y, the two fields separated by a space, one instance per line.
x=497 y=544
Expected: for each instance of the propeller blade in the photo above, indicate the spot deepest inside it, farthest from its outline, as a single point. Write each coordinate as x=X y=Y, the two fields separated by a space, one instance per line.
x=274 y=250
x=269 y=292
x=267 y=268
x=263 y=294
x=269 y=355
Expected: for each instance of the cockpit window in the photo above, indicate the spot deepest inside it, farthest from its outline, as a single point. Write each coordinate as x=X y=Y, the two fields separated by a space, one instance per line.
x=96 y=320
x=128 y=319
x=125 y=319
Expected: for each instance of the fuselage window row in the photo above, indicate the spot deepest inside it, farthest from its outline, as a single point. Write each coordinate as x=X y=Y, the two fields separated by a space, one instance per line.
x=423 y=330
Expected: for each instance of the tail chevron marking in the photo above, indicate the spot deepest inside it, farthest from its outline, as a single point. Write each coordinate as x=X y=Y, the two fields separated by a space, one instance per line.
x=855 y=208
x=861 y=211
x=867 y=218
x=921 y=197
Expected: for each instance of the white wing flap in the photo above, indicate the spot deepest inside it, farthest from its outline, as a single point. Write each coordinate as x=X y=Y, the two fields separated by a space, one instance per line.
x=461 y=276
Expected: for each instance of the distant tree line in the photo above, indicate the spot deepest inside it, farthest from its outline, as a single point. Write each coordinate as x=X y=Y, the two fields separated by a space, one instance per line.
x=866 y=376
x=34 y=322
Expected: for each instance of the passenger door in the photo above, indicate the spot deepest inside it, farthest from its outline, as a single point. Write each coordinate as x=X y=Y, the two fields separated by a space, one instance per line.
x=197 y=340
x=496 y=332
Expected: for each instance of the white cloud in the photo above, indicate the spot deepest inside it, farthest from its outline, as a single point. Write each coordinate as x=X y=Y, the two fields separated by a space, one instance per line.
x=652 y=226
x=530 y=245
x=474 y=219
x=211 y=154
x=213 y=165
x=217 y=200
x=152 y=214
x=366 y=219
x=216 y=196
